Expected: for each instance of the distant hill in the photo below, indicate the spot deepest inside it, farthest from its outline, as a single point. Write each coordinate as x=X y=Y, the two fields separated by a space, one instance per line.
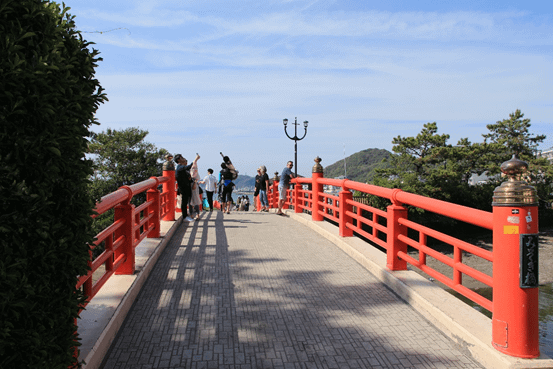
x=359 y=166
x=244 y=181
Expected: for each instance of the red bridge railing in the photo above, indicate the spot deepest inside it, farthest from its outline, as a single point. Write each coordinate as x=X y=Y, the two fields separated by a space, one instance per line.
x=515 y=322
x=130 y=226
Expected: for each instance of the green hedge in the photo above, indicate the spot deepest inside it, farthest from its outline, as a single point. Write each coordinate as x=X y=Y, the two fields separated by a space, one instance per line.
x=48 y=97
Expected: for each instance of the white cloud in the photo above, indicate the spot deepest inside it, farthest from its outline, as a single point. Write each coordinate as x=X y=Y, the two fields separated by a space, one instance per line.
x=212 y=80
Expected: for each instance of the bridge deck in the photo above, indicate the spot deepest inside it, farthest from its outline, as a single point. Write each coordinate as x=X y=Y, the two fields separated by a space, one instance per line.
x=258 y=290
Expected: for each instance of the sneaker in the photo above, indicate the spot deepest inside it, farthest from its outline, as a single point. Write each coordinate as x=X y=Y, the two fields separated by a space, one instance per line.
x=188 y=219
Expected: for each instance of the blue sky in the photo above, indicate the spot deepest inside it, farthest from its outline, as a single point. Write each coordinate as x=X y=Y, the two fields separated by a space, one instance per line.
x=211 y=76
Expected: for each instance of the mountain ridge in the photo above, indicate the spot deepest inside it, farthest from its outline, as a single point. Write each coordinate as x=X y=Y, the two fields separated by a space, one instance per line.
x=359 y=167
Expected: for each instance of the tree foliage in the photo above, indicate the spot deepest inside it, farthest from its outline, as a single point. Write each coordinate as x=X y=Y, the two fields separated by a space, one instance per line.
x=48 y=97
x=427 y=165
x=121 y=158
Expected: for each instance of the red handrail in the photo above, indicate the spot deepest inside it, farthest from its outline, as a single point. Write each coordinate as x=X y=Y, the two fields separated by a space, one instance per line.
x=380 y=223
x=130 y=226
x=389 y=230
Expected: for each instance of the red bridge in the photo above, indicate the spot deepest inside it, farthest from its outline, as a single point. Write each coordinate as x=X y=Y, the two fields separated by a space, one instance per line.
x=312 y=289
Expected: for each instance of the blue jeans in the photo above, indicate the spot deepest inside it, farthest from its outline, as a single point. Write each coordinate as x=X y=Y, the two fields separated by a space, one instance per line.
x=263 y=198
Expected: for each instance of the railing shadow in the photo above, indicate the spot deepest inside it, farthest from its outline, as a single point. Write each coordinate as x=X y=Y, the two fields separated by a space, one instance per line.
x=213 y=302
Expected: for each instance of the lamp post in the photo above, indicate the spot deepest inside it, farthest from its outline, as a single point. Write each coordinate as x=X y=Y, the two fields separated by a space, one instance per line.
x=295 y=138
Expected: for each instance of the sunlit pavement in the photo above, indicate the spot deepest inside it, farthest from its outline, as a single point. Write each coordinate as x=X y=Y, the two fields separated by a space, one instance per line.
x=245 y=290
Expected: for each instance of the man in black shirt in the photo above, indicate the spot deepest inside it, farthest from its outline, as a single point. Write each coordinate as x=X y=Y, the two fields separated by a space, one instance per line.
x=184 y=182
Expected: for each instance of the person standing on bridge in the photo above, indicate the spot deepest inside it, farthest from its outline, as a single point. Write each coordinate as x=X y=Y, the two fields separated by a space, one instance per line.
x=184 y=182
x=263 y=186
x=210 y=187
x=226 y=180
x=284 y=184
x=256 y=192
x=196 y=197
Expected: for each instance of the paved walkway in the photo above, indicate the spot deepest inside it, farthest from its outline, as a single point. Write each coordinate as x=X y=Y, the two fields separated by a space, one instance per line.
x=257 y=290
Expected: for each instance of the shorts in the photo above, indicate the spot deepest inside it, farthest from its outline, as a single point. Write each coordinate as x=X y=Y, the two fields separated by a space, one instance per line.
x=227 y=194
x=282 y=192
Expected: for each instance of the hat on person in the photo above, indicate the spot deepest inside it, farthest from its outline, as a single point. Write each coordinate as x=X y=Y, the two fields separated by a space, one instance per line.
x=168 y=156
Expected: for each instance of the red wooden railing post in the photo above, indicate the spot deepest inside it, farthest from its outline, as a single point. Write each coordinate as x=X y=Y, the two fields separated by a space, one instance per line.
x=344 y=207
x=125 y=211
x=395 y=212
x=275 y=192
x=154 y=225
x=169 y=188
x=297 y=199
x=515 y=321
x=317 y=188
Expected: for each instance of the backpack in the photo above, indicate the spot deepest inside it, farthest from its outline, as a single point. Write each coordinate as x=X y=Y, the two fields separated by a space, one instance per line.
x=230 y=166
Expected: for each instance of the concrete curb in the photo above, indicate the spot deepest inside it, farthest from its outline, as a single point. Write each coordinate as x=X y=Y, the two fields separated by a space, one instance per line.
x=467 y=327
x=108 y=309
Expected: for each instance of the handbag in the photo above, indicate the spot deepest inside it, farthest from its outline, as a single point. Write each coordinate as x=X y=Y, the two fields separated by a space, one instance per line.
x=200 y=190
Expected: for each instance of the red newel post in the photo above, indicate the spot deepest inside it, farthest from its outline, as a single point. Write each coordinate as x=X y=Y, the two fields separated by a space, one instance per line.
x=395 y=212
x=344 y=207
x=274 y=191
x=297 y=198
x=316 y=189
x=125 y=212
x=515 y=321
x=154 y=225
x=169 y=189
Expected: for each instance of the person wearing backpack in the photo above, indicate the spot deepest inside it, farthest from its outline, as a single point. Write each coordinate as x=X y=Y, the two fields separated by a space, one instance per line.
x=227 y=184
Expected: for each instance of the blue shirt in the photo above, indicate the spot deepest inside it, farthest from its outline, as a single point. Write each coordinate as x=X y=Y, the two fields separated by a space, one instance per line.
x=285 y=176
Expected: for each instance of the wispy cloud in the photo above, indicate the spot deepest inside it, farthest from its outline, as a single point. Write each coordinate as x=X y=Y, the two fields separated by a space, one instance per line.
x=460 y=25
x=195 y=73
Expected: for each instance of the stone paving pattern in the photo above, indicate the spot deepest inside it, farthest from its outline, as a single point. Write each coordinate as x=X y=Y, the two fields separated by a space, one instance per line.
x=245 y=290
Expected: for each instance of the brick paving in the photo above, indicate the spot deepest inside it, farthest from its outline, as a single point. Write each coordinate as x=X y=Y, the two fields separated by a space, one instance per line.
x=257 y=290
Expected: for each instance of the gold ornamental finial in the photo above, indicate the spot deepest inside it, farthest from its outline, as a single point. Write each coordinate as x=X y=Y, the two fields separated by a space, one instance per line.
x=317 y=168
x=514 y=191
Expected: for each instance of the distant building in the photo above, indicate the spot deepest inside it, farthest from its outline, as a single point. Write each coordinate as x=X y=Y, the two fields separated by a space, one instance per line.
x=548 y=154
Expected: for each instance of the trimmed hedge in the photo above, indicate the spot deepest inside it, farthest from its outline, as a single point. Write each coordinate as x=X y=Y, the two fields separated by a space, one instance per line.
x=48 y=97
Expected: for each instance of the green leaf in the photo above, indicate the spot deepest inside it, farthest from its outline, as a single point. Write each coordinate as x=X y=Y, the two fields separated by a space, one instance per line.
x=26 y=35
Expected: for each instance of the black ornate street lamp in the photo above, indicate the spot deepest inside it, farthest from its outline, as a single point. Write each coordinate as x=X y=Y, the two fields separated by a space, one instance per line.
x=295 y=138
